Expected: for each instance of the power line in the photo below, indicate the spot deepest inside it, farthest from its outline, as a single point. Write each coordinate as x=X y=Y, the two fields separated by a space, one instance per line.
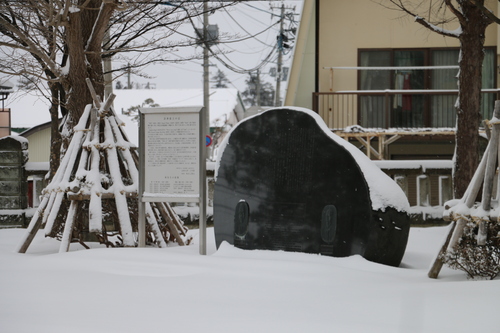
x=242 y=28
x=262 y=10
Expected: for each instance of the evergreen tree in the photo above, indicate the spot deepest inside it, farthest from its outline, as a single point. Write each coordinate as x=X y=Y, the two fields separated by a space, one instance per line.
x=133 y=111
x=250 y=94
x=220 y=80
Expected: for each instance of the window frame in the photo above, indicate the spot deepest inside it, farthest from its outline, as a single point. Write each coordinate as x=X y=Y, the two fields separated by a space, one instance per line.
x=428 y=56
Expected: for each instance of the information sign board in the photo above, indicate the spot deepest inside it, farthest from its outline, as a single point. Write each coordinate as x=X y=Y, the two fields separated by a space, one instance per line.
x=172 y=161
x=171 y=151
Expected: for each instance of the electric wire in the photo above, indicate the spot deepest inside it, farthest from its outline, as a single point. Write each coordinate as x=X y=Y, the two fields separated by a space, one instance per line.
x=242 y=28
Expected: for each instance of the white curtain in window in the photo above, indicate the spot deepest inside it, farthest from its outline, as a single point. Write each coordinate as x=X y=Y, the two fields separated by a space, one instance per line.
x=443 y=107
x=372 y=108
x=488 y=82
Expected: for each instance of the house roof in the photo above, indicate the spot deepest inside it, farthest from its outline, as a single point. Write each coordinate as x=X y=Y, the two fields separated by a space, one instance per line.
x=29 y=109
x=222 y=101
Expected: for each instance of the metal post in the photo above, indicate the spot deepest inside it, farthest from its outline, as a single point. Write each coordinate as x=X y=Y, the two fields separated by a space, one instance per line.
x=141 y=223
x=204 y=125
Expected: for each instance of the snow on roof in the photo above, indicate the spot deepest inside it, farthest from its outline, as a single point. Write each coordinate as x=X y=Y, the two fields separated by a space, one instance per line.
x=414 y=164
x=384 y=192
x=35 y=166
x=21 y=139
x=29 y=109
x=222 y=101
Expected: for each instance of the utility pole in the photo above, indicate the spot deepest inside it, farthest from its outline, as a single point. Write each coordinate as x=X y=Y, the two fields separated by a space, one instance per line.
x=129 y=72
x=280 y=57
x=107 y=66
x=205 y=125
x=257 y=88
x=206 y=72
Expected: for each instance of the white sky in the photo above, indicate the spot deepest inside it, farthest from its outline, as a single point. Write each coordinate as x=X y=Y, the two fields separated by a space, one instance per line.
x=254 y=16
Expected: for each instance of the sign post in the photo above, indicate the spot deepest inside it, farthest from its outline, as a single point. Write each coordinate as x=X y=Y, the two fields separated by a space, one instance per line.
x=172 y=165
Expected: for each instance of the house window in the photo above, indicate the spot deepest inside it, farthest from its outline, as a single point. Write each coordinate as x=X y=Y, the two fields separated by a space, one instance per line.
x=414 y=110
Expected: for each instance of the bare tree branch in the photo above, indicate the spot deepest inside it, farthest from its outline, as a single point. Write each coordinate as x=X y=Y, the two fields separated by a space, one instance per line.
x=28 y=44
x=456 y=12
x=422 y=21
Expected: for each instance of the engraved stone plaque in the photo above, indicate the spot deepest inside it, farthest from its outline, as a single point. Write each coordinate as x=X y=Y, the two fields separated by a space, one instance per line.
x=284 y=184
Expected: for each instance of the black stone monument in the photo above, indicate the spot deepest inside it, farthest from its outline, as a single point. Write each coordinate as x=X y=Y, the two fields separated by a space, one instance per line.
x=283 y=183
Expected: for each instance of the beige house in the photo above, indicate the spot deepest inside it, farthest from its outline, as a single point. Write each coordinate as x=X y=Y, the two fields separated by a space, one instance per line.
x=338 y=40
x=388 y=85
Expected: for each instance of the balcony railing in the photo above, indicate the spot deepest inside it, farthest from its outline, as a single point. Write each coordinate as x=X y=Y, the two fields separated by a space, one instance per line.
x=394 y=108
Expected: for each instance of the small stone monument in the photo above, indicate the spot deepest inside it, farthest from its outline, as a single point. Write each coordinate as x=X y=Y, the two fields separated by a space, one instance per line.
x=286 y=182
x=13 y=184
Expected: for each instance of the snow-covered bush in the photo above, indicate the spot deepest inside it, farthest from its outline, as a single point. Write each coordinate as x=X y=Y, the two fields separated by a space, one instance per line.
x=478 y=261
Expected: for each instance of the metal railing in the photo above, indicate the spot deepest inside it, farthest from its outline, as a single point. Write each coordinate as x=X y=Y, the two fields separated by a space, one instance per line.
x=394 y=108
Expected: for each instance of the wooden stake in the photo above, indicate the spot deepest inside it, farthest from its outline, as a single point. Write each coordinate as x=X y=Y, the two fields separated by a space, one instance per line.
x=108 y=103
x=68 y=227
x=438 y=262
x=154 y=226
x=34 y=226
x=457 y=233
x=175 y=219
x=97 y=100
x=170 y=223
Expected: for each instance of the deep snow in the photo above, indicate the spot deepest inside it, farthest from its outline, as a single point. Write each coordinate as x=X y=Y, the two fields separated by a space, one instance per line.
x=232 y=290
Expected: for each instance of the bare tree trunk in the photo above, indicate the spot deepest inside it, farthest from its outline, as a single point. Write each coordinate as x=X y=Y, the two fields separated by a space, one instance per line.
x=55 y=135
x=84 y=40
x=468 y=109
x=78 y=94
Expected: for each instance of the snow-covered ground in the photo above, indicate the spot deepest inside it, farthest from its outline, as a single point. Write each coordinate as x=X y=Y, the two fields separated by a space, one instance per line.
x=232 y=290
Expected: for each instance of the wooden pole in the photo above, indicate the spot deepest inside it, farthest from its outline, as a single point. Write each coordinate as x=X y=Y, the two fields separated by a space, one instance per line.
x=170 y=223
x=68 y=227
x=97 y=100
x=438 y=261
x=175 y=219
x=34 y=226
